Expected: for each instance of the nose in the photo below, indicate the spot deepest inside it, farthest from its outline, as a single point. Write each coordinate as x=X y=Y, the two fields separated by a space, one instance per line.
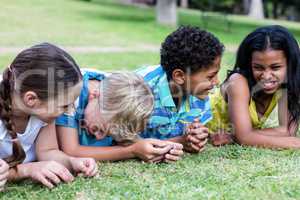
x=267 y=75
x=215 y=81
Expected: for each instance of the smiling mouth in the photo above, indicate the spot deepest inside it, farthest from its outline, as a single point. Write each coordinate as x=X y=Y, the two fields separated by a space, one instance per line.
x=269 y=85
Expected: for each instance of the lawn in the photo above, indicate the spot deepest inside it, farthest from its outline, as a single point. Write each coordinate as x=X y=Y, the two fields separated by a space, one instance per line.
x=231 y=172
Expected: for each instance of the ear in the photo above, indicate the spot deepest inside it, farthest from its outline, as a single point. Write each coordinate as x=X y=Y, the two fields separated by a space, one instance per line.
x=178 y=76
x=94 y=94
x=100 y=135
x=31 y=99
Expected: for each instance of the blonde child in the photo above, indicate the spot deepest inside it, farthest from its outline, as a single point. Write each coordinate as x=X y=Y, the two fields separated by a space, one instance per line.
x=111 y=110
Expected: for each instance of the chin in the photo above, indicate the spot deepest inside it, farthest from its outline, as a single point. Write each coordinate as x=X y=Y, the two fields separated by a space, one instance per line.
x=202 y=96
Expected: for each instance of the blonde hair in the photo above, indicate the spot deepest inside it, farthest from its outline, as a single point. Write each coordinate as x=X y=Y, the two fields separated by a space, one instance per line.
x=126 y=102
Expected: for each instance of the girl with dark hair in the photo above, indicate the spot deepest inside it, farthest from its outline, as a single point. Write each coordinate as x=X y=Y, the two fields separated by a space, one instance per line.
x=259 y=102
x=41 y=83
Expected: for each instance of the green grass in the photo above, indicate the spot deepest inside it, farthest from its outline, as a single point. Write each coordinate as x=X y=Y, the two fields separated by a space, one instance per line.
x=121 y=61
x=231 y=172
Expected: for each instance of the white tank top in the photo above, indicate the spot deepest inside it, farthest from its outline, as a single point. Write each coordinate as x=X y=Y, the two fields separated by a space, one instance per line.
x=27 y=139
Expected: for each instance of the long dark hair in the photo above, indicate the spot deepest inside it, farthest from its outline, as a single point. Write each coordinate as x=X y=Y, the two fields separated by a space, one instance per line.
x=278 y=38
x=29 y=72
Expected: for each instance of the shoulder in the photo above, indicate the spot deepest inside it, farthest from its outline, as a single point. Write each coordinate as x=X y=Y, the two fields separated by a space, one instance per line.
x=150 y=72
x=236 y=84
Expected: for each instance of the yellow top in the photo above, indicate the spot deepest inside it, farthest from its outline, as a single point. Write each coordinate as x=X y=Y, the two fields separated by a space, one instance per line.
x=221 y=120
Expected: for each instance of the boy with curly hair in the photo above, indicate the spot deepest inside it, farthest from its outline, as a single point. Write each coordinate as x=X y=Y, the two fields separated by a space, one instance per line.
x=189 y=65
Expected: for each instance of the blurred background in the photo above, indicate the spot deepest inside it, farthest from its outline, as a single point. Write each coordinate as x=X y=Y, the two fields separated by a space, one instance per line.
x=125 y=34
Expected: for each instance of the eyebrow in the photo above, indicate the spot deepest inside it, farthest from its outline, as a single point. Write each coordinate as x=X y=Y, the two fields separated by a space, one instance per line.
x=264 y=65
x=213 y=73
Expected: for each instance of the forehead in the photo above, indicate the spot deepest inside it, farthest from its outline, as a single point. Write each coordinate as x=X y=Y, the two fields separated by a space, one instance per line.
x=210 y=70
x=268 y=56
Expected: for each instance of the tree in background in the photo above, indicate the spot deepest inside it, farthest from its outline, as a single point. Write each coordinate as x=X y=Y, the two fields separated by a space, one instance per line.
x=256 y=9
x=166 y=12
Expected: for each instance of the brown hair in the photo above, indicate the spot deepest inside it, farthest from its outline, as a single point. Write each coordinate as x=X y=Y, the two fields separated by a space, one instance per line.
x=30 y=71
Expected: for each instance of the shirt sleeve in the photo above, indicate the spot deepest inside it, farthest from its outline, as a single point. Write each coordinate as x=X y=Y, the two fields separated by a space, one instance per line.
x=67 y=121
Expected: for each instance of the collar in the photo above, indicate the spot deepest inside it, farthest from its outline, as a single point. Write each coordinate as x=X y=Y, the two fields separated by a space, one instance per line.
x=84 y=94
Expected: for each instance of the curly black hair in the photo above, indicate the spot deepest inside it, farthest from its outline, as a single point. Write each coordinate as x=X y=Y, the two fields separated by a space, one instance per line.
x=189 y=48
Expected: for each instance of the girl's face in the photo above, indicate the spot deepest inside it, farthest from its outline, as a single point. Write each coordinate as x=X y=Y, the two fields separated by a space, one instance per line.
x=48 y=110
x=269 y=69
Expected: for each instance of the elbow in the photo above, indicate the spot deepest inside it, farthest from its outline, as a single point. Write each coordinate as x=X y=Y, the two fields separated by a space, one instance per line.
x=70 y=150
x=243 y=139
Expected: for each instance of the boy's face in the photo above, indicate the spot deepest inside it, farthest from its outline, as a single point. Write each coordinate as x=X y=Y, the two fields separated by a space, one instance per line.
x=93 y=122
x=200 y=83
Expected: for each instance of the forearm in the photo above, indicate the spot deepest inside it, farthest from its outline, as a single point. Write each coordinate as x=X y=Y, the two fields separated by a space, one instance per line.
x=19 y=172
x=110 y=153
x=267 y=141
x=55 y=155
x=277 y=131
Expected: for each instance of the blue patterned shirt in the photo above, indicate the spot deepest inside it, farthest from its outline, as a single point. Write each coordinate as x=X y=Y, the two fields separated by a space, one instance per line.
x=167 y=121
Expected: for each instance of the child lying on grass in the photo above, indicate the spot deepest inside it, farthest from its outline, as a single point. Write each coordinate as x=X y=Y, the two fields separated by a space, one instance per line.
x=112 y=110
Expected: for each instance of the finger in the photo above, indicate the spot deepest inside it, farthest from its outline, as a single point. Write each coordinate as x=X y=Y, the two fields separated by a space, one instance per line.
x=177 y=146
x=4 y=175
x=157 y=159
x=63 y=173
x=171 y=158
x=193 y=139
x=95 y=171
x=90 y=167
x=202 y=136
x=202 y=149
x=195 y=147
x=42 y=179
x=201 y=144
x=176 y=152
x=159 y=143
x=161 y=151
x=52 y=177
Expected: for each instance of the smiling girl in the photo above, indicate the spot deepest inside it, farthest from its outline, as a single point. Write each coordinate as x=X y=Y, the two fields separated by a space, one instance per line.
x=259 y=101
x=41 y=83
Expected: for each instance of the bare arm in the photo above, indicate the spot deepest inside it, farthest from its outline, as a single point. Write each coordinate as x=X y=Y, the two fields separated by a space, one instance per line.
x=47 y=147
x=238 y=105
x=69 y=143
x=146 y=150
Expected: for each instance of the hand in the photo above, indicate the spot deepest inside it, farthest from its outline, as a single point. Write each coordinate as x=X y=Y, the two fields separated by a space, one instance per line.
x=221 y=138
x=87 y=166
x=151 y=150
x=4 y=171
x=196 y=137
x=49 y=173
x=175 y=152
